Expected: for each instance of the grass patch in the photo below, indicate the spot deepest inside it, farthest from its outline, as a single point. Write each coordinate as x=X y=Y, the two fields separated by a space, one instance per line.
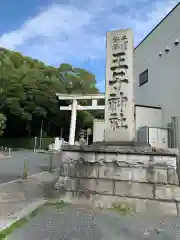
x=4 y=234
x=35 y=211
x=60 y=204
x=123 y=208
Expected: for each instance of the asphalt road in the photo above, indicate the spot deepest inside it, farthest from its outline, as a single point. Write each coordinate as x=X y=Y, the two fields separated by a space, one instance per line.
x=12 y=168
x=75 y=223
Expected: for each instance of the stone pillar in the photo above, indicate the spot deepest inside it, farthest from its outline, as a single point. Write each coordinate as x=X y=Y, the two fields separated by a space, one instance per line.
x=119 y=94
x=73 y=122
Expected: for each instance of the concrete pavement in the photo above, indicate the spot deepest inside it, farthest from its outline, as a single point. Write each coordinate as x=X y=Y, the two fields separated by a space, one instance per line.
x=80 y=223
x=12 y=168
x=71 y=222
x=76 y=222
x=18 y=194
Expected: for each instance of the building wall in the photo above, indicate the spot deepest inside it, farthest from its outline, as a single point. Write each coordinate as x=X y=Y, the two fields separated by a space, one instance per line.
x=163 y=86
x=144 y=116
x=148 y=116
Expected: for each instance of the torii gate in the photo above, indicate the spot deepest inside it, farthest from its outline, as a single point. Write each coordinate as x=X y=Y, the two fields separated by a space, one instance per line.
x=74 y=107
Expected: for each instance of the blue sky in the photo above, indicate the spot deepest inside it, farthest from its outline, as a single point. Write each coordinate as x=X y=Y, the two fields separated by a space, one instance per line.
x=73 y=31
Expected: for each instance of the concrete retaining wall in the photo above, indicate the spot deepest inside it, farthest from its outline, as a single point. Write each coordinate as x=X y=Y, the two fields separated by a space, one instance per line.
x=146 y=181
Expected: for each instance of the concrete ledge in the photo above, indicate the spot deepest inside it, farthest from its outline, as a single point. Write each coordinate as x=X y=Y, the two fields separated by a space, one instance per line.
x=141 y=206
x=121 y=159
x=3 y=157
x=118 y=149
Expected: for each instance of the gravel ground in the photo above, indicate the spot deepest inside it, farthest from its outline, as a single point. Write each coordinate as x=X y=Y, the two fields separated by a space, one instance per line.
x=75 y=223
x=12 y=168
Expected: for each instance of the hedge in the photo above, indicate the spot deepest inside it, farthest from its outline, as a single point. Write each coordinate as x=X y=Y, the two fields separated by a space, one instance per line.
x=26 y=143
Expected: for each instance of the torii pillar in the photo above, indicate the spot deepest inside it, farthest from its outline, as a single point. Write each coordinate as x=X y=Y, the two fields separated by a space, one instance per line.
x=74 y=107
x=72 y=129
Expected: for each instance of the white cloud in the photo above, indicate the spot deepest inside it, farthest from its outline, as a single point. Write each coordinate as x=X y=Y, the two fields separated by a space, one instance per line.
x=160 y=10
x=53 y=22
x=77 y=32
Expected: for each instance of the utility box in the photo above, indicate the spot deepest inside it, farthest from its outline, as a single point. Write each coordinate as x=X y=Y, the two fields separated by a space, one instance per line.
x=155 y=136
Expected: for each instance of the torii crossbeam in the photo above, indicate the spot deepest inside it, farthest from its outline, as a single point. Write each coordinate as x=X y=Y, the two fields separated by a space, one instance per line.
x=74 y=107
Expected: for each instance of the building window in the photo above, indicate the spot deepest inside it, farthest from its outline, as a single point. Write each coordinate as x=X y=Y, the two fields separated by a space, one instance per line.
x=143 y=77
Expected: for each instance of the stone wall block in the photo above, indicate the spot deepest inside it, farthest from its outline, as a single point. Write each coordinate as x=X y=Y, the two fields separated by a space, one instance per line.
x=106 y=172
x=77 y=184
x=121 y=173
x=178 y=208
x=84 y=184
x=167 y=192
x=69 y=184
x=172 y=177
x=156 y=174
x=115 y=172
x=122 y=158
x=68 y=156
x=68 y=169
x=138 y=159
x=110 y=157
x=132 y=159
x=165 y=160
x=104 y=186
x=131 y=189
x=88 y=156
x=160 y=175
x=139 y=174
x=150 y=173
x=64 y=169
x=99 y=157
x=177 y=193
x=86 y=170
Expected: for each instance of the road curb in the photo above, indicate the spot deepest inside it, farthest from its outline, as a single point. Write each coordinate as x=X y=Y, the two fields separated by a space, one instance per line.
x=22 y=213
x=21 y=179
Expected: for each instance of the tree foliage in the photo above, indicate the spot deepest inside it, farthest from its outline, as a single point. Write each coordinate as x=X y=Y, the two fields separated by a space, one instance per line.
x=28 y=90
x=2 y=124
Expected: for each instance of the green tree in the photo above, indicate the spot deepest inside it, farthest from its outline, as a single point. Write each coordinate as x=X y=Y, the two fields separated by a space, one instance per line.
x=2 y=123
x=28 y=99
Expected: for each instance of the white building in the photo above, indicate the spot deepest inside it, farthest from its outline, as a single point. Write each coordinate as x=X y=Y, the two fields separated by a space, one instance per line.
x=157 y=83
x=157 y=67
x=157 y=80
x=149 y=116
